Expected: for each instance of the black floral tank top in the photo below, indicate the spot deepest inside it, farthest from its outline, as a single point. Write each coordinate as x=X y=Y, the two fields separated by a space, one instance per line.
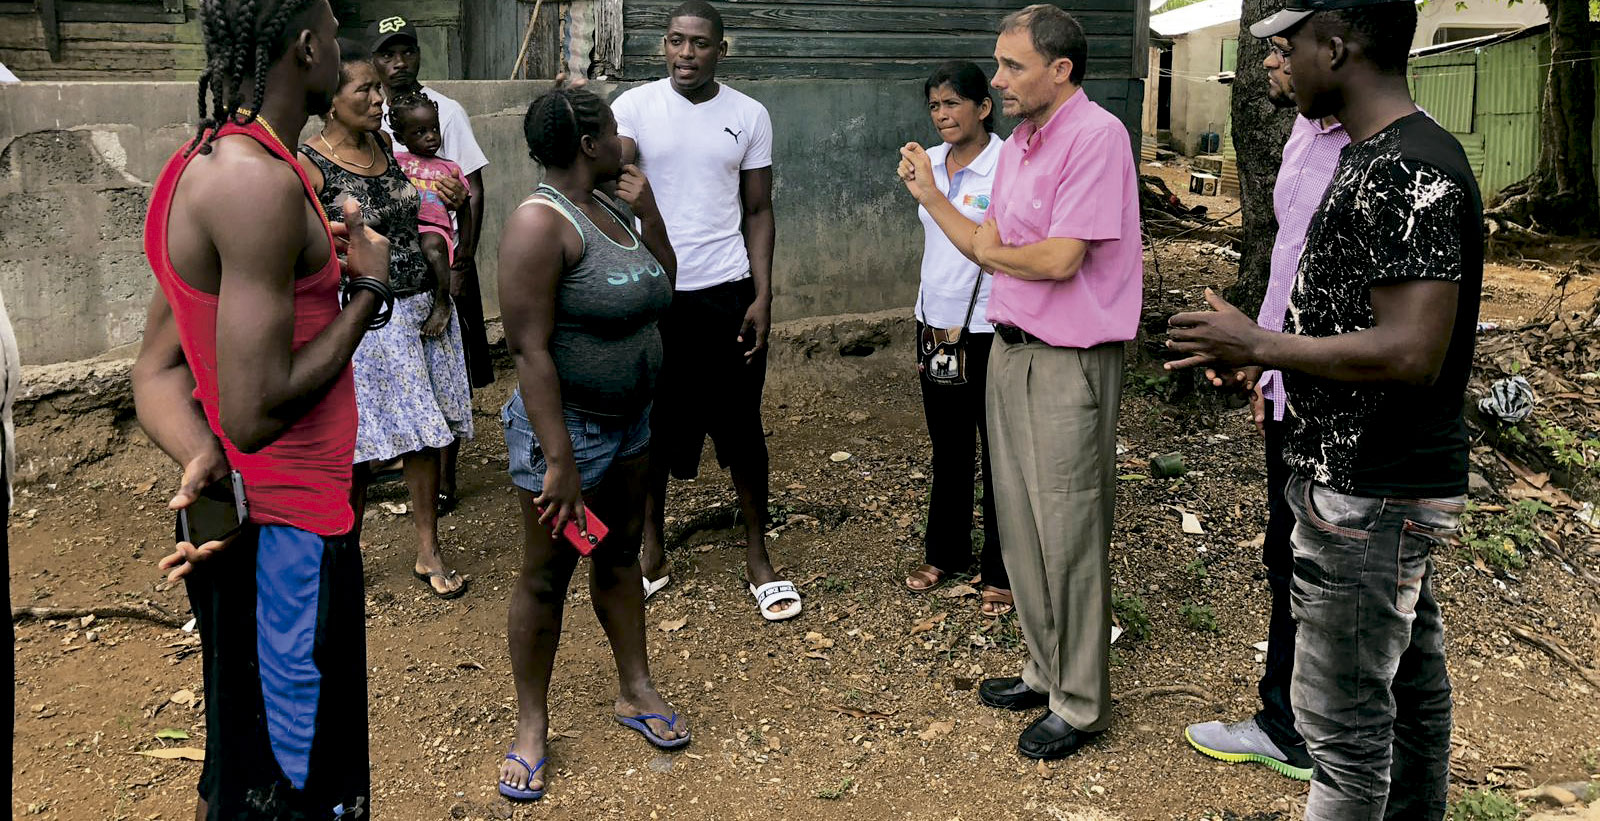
x=390 y=203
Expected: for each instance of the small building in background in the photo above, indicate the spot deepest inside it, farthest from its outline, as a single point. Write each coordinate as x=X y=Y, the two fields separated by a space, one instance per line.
x=1195 y=48
x=1488 y=92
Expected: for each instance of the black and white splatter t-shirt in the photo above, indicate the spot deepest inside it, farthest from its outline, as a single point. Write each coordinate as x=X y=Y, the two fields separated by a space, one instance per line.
x=1403 y=206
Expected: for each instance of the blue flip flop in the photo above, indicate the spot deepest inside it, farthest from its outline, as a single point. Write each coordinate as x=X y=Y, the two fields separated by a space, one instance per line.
x=522 y=795
x=637 y=723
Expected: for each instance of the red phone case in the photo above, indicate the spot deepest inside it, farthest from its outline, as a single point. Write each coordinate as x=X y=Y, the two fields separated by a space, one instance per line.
x=597 y=533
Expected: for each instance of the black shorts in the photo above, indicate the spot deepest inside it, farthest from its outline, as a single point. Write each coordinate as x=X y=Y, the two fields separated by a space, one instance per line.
x=705 y=385
x=281 y=619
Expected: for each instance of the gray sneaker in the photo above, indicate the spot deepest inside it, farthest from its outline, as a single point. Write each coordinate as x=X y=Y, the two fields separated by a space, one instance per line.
x=1246 y=741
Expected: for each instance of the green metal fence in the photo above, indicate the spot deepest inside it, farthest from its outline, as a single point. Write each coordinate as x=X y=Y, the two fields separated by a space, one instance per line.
x=1489 y=98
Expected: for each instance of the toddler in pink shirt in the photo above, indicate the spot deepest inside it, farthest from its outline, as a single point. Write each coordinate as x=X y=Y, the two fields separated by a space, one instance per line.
x=415 y=121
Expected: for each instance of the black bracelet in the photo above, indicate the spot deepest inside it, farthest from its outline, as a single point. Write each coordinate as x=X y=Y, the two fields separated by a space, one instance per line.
x=378 y=289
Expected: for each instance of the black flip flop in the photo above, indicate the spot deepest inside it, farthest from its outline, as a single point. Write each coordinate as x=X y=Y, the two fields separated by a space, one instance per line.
x=427 y=579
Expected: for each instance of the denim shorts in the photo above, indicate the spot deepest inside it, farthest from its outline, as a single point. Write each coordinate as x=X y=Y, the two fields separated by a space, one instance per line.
x=598 y=442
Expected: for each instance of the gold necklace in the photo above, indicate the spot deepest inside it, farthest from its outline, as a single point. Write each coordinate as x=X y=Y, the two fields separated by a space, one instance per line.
x=271 y=132
x=371 y=162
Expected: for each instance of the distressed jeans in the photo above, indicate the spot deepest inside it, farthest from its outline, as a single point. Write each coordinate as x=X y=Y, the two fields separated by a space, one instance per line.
x=1370 y=691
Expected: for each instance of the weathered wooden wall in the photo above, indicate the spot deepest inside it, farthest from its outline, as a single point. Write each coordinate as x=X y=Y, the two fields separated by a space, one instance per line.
x=437 y=23
x=93 y=40
x=875 y=39
x=493 y=33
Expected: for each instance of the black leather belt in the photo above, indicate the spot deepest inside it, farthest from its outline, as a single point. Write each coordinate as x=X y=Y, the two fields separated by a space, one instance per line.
x=1016 y=336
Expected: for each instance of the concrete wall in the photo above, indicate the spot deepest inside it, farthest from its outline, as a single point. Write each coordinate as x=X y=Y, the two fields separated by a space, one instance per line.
x=77 y=160
x=1479 y=17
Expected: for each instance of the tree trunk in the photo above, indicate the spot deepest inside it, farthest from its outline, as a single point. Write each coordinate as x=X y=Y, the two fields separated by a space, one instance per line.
x=1259 y=131
x=1561 y=196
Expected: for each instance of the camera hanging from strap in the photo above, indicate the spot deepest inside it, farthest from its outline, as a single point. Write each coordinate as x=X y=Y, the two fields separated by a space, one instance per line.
x=942 y=352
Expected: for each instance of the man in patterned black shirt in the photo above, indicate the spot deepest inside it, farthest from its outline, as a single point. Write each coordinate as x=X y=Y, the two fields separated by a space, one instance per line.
x=1376 y=354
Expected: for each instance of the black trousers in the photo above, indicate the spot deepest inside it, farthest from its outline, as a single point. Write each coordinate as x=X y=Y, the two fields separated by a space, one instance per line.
x=955 y=413
x=1277 y=553
x=474 y=336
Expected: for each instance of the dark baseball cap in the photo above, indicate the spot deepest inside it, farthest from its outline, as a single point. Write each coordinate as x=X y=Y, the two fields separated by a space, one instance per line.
x=384 y=31
x=1296 y=11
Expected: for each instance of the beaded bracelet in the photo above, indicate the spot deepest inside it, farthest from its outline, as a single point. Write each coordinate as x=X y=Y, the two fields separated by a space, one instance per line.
x=378 y=289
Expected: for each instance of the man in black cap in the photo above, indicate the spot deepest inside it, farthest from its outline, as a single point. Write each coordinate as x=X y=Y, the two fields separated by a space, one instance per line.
x=1375 y=357
x=393 y=41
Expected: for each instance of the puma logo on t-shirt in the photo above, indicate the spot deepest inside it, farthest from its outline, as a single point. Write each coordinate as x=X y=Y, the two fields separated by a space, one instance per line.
x=732 y=133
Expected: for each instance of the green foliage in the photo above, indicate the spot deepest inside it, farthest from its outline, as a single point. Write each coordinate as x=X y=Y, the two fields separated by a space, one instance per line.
x=1568 y=449
x=1483 y=805
x=1132 y=615
x=1500 y=538
x=834 y=586
x=1196 y=569
x=1199 y=617
x=836 y=793
x=1150 y=382
x=1007 y=635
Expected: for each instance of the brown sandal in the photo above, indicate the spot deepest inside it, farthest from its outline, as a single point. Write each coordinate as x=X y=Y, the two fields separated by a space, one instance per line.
x=1000 y=598
x=924 y=578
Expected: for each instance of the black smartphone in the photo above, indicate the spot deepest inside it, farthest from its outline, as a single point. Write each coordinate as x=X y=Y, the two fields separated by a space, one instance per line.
x=216 y=514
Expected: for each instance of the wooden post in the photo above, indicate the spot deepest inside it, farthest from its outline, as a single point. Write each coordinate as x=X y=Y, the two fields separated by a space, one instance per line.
x=50 y=18
x=527 y=36
x=607 y=38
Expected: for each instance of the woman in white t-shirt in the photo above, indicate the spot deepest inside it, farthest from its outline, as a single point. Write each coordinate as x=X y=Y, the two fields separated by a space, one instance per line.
x=951 y=305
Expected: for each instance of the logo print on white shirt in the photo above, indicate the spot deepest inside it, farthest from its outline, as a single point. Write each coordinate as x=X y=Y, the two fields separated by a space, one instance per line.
x=732 y=133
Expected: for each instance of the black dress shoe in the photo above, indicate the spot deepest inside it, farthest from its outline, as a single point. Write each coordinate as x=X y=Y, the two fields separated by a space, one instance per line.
x=1010 y=694
x=1051 y=737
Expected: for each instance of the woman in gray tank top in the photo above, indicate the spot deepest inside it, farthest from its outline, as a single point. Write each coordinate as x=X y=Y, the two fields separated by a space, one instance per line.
x=580 y=293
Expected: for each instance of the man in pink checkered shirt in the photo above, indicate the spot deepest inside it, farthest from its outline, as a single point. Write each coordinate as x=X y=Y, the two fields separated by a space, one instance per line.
x=1309 y=159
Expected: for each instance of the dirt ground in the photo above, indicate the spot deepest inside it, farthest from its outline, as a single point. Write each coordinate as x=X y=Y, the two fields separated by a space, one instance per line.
x=861 y=708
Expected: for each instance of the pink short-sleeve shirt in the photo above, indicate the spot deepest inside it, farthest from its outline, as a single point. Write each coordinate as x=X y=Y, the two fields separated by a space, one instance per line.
x=1074 y=178
x=425 y=173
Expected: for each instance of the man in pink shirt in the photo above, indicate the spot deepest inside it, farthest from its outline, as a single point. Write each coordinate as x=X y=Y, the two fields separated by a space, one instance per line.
x=1062 y=237
x=1309 y=159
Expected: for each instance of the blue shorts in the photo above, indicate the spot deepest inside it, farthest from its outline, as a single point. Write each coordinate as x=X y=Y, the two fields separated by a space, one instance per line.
x=598 y=442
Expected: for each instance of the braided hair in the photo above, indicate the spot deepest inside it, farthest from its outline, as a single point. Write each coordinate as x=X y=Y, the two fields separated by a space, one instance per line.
x=405 y=104
x=243 y=39
x=558 y=120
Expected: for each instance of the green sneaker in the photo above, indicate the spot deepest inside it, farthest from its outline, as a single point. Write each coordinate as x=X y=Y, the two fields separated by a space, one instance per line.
x=1246 y=741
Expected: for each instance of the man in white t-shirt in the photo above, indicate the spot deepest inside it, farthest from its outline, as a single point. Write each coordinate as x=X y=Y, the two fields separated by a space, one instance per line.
x=394 y=49
x=707 y=150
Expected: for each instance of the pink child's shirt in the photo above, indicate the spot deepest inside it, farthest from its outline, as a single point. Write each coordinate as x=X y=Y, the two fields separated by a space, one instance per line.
x=1074 y=180
x=425 y=173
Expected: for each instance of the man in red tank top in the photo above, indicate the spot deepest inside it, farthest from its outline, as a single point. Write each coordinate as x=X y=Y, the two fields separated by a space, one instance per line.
x=245 y=368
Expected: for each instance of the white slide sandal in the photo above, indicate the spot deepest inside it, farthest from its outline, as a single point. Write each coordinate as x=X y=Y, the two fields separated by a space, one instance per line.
x=774 y=593
x=653 y=587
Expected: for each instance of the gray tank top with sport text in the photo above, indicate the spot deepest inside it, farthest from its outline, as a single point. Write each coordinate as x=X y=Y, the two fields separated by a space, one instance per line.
x=605 y=344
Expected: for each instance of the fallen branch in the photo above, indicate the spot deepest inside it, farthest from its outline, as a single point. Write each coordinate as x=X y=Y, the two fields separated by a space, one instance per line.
x=1189 y=690
x=1553 y=547
x=1557 y=652
x=148 y=611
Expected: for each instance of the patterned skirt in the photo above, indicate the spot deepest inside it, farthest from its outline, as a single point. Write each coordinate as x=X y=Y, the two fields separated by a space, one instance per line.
x=411 y=390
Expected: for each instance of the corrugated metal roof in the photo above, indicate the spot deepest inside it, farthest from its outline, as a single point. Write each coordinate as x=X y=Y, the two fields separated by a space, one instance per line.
x=1511 y=76
x=1447 y=93
x=1511 y=146
x=1196 y=16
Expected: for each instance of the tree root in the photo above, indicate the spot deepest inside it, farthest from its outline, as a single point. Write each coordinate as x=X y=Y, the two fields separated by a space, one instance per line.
x=1559 y=653
x=146 y=611
x=1188 y=690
